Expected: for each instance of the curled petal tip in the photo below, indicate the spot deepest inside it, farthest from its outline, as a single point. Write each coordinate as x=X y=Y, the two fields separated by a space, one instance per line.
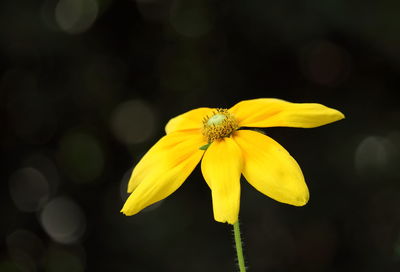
x=225 y=220
x=123 y=211
x=128 y=211
x=302 y=201
x=338 y=114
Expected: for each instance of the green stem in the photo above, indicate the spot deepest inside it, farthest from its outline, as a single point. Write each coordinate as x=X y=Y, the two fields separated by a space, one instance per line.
x=239 y=249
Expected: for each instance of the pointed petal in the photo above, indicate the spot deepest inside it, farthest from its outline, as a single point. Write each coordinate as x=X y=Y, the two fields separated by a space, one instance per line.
x=221 y=167
x=189 y=120
x=271 y=169
x=269 y=112
x=163 y=170
x=170 y=146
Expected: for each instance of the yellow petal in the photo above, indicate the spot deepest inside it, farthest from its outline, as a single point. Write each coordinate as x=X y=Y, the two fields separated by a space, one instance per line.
x=271 y=169
x=173 y=145
x=189 y=120
x=269 y=112
x=163 y=170
x=221 y=167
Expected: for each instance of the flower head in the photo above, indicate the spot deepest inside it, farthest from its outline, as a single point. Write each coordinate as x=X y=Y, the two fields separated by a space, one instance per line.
x=227 y=151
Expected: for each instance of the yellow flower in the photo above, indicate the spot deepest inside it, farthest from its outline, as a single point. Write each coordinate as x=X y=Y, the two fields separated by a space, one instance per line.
x=217 y=137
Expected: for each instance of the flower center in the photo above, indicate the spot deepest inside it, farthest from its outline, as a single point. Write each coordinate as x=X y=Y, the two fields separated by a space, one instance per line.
x=221 y=124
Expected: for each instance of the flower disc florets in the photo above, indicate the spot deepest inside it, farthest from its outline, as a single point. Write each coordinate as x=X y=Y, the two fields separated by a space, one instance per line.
x=221 y=124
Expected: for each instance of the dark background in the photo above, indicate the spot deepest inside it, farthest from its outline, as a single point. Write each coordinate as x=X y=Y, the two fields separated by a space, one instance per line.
x=86 y=87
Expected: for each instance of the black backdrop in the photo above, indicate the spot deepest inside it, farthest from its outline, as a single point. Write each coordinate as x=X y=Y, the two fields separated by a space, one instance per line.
x=86 y=87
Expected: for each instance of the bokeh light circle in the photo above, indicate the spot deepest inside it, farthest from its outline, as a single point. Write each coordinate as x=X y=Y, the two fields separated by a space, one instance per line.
x=29 y=189
x=372 y=156
x=325 y=63
x=81 y=156
x=133 y=122
x=76 y=16
x=191 y=19
x=63 y=220
x=25 y=248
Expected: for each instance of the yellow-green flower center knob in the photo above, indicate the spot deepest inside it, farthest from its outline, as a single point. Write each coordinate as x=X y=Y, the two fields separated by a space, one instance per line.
x=216 y=119
x=221 y=124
